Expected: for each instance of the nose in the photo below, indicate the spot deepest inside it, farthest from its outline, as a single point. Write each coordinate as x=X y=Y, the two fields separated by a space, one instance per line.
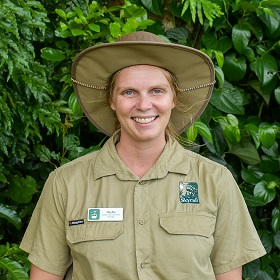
x=143 y=102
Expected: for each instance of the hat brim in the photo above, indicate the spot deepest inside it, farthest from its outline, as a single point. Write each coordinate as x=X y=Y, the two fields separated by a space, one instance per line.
x=96 y=64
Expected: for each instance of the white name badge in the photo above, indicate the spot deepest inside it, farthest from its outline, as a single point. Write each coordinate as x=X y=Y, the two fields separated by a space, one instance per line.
x=105 y=214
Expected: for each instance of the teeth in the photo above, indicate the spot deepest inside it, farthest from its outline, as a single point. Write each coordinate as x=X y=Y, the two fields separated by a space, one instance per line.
x=144 y=120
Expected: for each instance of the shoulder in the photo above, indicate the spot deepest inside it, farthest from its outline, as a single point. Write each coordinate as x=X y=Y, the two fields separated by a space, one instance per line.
x=77 y=165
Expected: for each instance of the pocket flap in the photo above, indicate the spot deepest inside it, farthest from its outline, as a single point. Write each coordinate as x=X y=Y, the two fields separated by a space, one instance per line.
x=185 y=223
x=94 y=231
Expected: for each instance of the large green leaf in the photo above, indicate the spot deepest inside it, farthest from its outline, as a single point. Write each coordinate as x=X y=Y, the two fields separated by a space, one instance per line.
x=251 y=174
x=21 y=189
x=204 y=131
x=252 y=200
x=247 y=152
x=16 y=271
x=240 y=37
x=222 y=44
x=11 y=215
x=234 y=67
x=266 y=68
x=277 y=95
x=228 y=100
x=154 y=6
x=264 y=193
x=267 y=135
x=275 y=222
x=53 y=54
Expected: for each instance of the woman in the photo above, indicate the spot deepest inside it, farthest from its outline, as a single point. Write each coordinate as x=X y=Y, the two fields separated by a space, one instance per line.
x=142 y=207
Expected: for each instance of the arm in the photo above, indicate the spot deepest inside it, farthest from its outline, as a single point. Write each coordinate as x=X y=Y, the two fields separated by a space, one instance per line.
x=37 y=273
x=235 y=274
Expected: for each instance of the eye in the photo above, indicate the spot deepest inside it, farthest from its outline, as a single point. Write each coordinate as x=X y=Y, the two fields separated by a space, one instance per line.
x=157 y=91
x=128 y=92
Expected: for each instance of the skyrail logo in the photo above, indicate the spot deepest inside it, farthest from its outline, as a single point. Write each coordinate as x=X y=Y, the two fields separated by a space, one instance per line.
x=188 y=192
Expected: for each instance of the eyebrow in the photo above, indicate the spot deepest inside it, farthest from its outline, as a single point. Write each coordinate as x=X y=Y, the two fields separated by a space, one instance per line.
x=125 y=87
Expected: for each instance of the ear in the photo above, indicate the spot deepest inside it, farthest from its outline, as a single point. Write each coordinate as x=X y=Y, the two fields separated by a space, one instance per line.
x=112 y=105
x=173 y=103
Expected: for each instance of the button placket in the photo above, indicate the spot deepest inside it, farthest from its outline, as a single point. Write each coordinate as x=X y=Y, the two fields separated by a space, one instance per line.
x=142 y=227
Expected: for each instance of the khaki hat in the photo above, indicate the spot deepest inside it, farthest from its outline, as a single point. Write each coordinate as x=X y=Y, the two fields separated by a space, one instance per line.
x=92 y=68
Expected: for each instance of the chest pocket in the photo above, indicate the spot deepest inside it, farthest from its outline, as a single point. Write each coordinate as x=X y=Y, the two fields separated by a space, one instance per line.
x=91 y=231
x=190 y=224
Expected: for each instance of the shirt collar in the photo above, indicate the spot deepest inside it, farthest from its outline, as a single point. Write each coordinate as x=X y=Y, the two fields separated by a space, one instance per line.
x=173 y=159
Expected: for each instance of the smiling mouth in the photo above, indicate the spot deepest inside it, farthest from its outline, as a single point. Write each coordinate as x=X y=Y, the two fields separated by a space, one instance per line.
x=144 y=120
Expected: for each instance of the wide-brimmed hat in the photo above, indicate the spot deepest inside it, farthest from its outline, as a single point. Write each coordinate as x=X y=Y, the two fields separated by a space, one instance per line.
x=93 y=67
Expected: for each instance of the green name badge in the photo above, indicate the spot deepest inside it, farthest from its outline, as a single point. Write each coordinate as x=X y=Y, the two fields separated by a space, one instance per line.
x=105 y=214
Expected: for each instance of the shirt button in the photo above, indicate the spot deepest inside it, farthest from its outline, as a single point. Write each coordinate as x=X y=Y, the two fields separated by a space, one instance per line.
x=141 y=222
x=142 y=265
x=142 y=183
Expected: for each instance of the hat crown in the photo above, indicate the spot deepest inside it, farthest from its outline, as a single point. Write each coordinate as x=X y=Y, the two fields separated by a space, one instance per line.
x=140 y=36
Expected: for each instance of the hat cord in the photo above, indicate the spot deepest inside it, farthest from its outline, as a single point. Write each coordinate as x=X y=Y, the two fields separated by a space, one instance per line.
x=183 y=90
x=87 y=85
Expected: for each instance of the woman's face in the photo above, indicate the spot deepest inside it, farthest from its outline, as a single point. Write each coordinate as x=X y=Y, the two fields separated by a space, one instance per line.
x=143 y=100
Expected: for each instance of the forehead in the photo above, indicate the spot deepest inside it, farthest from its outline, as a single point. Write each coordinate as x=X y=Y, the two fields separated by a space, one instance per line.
x=140 y=73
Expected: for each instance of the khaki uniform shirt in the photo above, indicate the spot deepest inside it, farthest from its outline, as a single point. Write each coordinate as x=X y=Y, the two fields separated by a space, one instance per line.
x=185 y=219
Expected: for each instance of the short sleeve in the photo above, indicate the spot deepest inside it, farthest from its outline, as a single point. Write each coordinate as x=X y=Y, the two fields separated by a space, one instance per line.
x=45 y=238
x=236 y=241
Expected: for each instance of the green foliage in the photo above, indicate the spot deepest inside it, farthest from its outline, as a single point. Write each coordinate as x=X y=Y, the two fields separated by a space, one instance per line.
x=198 y=8
x=14 y=261
x=42 y=124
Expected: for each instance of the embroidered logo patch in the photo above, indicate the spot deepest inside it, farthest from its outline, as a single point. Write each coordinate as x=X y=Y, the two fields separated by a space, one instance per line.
x=188 y=192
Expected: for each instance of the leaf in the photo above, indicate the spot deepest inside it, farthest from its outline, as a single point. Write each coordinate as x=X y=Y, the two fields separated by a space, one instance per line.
x=192 y=132
x=232 y=134
x=277 y=239
x=94 y=27
x=21 y=190
x=252 y=200
x=267 y=240
x=52 y=54
x=250 y=269
x=232 y=120
x=240 y=37
x=154 y=6
x=234 y=67
x=251 y=175
x=275 y=222
x=256 y=85
x=204 y=131
x=247 y=152
x=267 y=135
x=71 y=142
x=228 y=100
x=222 y=44
x=43 y=153
x=16 y=271
x=115 y=29
x=262 y=192
x=272 y=151
x=277 y=95
x=219 y=142
x=220 y=76
x=180 y=34
x=265 y=68
x=130 y=26
x=269 y=165
x=10 y=215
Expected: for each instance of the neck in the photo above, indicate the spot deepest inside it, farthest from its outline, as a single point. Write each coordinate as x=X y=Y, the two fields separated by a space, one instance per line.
x=139 y=157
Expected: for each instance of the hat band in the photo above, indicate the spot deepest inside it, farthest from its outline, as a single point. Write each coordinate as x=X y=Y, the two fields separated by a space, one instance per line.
x=183 y=89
